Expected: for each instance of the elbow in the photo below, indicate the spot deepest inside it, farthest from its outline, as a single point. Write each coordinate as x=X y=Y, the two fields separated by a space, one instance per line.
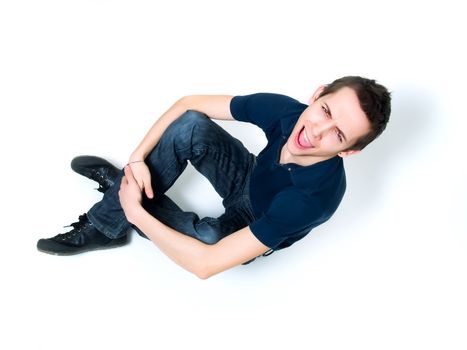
x=201 y=271
x=190 y=102
x=201 y=265
x=203 y=275
x=182 y=103
x=186 y=101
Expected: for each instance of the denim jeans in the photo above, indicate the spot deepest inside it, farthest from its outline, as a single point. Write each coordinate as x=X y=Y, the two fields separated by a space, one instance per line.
x=221 y=158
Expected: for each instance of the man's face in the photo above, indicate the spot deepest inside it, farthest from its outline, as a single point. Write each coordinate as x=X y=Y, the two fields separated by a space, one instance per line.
x=328 y=126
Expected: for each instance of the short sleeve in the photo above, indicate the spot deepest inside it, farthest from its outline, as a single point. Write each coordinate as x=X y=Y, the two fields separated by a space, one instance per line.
x=262 y=109
x=284 y=222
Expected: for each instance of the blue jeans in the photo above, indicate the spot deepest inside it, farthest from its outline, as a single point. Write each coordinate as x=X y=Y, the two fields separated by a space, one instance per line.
x=221 y=158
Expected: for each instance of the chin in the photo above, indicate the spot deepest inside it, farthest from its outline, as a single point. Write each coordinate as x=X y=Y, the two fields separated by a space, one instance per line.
x=297 y=151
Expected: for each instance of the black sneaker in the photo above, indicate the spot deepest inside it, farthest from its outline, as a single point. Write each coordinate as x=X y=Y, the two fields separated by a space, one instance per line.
x=97 y=169
x=82 y=238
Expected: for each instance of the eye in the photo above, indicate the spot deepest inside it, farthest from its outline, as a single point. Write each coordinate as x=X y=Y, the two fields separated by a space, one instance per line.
x=339 y=136
x=328 y=115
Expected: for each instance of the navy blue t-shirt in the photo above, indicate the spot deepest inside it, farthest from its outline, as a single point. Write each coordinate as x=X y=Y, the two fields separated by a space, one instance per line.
x=288 y=200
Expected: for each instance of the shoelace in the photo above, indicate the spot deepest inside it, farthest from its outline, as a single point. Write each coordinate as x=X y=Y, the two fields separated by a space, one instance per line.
x=77 y=227
x=99 y=178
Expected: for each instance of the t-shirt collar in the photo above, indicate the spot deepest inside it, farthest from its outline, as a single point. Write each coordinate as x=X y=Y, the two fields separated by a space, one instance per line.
x=287 y=125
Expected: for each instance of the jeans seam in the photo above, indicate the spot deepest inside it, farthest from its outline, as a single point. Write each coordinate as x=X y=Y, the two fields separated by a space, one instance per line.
x=167 y=169
x=104 y=229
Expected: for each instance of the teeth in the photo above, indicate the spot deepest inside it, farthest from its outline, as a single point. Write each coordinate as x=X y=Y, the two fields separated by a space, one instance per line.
x=306 y=137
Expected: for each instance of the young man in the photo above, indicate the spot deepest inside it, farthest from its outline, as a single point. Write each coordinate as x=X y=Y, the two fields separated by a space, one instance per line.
x=271 y=201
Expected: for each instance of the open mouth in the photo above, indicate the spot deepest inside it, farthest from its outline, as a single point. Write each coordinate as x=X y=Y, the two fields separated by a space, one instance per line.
x=302 y=139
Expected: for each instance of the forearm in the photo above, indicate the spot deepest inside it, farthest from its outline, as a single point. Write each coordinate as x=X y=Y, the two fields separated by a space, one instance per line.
x=184 y=250
x=195 y=256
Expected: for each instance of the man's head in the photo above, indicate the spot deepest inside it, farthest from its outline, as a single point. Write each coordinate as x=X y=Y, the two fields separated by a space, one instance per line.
x=342 y=118
x=375 y=101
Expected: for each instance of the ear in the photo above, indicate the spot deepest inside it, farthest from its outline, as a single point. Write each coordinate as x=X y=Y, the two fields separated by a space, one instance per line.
x=316 y=94
x=344 y=154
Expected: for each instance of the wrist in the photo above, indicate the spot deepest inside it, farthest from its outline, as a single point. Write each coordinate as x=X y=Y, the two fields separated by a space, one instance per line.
x=135 y=214
x=137 y=157
x=135 y=161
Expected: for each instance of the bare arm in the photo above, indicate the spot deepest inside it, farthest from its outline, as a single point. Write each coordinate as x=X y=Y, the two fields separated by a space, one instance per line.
x=215 y=106
x=195 y=256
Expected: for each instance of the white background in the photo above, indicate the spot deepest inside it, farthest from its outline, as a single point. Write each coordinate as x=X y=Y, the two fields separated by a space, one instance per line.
x=388 y=271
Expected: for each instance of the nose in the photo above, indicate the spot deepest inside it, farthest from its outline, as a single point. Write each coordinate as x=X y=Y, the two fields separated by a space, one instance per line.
x=321 y=128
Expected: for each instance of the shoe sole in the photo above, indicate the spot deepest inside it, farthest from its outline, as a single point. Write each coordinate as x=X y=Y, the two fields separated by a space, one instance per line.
x=82 y=251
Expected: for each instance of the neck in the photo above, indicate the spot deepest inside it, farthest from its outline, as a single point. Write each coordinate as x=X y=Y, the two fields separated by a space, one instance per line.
x=287 y=158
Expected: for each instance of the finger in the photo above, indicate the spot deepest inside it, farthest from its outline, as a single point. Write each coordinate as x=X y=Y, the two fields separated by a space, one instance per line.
x=131 y=180
x=148 y=190
x=128 y=172
x=130 y=177
x=140 y=185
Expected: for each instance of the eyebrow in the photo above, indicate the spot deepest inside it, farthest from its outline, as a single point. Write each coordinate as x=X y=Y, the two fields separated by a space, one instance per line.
x=340 y=131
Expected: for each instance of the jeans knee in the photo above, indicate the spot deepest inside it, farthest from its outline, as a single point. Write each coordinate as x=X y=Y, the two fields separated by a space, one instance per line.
x=185 y=124
x=190 y=127
x=190 y=118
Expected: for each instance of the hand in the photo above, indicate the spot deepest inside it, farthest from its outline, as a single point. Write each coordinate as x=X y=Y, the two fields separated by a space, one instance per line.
x=142 y=176
x=130 y=195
